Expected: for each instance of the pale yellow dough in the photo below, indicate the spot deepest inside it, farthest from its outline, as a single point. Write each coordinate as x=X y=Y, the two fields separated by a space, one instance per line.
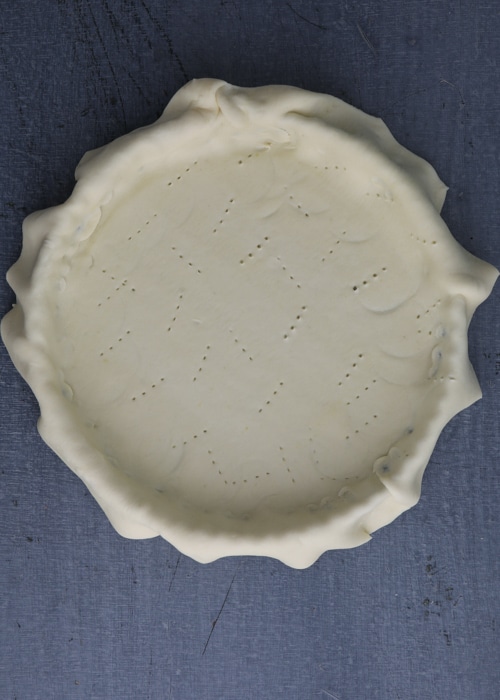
x=247 y=326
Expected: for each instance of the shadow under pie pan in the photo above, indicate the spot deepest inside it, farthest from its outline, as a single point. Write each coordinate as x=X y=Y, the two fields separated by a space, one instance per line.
x=247 y=326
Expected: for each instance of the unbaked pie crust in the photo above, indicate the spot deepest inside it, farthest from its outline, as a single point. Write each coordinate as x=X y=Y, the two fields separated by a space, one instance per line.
x=247 y=326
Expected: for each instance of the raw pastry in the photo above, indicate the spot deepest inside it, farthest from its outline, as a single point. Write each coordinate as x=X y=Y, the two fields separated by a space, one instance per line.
x=247 y=326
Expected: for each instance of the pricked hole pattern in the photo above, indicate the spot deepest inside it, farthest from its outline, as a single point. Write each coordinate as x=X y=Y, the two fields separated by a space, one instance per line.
x=286 y=271
x=284 y=463
x=176 y=312
x=259 y=248
x=369 y=279
x=330 y=252
x=119 y=339
x=202 y=363
x=156 y=384
x=272 y=396
x=222 y=219
x=241 y=346
x=179 y=177
x=316 y=461
x=425 y=316
x=334 y=167
x=422 y=240
x=366 y=424
x=293 y=328
x=296 y=205
x=368 y=385
x=117 y=286
x=340 y=240
x=180 y=255
x=315 y=452
x=241 y=161
x=139 y=231
x=354 y=364
x=196 y=436
x=327 y=167
x=256 y=477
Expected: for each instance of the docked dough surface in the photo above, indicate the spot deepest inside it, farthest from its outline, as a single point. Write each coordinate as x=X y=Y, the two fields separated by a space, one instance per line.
x=252 y=324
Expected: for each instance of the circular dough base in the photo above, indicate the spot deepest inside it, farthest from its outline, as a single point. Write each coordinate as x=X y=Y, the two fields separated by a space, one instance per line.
x=248 y=325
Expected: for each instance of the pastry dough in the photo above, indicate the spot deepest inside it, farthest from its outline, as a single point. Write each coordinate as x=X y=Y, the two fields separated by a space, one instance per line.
x=247 y=326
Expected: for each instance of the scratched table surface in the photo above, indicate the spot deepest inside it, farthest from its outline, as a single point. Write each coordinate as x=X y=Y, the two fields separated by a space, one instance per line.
x=412 y=615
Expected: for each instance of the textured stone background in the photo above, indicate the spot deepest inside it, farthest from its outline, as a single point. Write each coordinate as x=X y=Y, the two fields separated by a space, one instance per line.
x=413 y=615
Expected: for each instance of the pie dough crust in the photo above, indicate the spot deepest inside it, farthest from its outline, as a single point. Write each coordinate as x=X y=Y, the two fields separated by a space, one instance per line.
x=247 y=326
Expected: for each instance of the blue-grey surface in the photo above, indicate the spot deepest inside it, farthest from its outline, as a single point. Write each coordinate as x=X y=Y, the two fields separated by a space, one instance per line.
x=413 y=615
